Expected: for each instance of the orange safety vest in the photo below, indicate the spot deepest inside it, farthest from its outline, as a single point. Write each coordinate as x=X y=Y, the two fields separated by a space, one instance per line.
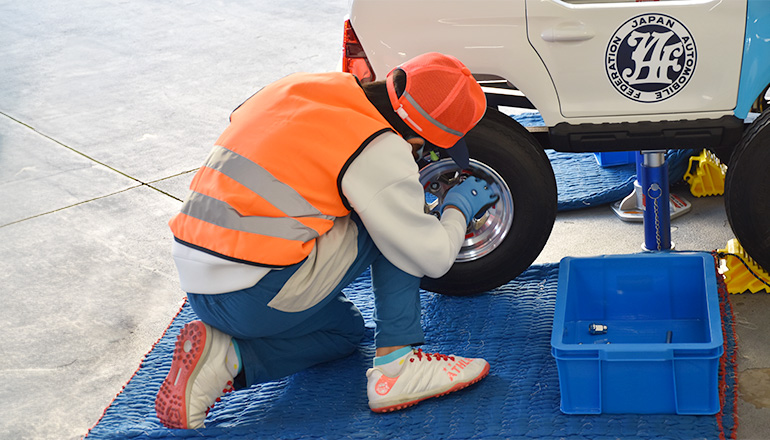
x=271 y=185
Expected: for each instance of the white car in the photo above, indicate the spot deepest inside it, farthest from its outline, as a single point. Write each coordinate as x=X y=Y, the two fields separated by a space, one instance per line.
x=605 y=76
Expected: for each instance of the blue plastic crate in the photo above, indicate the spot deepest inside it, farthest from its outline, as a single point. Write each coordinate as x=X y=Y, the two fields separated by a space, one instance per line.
x=660 y=353
x=614 y=158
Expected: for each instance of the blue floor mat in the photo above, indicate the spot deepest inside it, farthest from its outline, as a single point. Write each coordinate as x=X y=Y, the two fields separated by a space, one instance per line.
x=509 y=326
x=582 y=183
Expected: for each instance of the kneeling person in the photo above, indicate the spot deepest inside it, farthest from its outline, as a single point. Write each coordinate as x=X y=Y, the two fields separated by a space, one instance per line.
x=314 y=181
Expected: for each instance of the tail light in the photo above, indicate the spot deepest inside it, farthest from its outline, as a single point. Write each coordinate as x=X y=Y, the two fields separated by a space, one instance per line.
x=353 y=57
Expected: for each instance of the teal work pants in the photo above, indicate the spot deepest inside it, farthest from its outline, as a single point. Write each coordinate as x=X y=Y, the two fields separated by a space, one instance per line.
x=274 y=344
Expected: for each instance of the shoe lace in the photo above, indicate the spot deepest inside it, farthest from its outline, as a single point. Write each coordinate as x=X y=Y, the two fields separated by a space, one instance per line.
x=227 y=389
x=430 y=356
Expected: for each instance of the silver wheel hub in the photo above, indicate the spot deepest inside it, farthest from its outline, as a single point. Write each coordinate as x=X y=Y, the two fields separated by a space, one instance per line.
x=483 y=234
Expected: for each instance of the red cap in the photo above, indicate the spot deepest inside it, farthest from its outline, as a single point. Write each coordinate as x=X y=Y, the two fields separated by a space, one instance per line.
x=442 y=101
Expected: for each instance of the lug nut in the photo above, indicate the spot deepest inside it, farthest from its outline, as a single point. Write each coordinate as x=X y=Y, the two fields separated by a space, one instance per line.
x=597 y=329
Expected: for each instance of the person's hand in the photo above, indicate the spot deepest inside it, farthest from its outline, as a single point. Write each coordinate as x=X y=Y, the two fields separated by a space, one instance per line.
x=472 y=197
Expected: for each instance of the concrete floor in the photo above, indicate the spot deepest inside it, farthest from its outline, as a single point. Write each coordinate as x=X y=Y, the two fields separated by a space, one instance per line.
x=106 y=110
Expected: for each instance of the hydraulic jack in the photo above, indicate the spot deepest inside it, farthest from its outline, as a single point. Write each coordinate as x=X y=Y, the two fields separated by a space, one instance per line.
x=651 y=201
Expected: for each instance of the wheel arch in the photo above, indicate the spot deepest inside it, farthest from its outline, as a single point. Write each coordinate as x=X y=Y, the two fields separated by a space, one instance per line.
x=500 y=92
x=755 y=68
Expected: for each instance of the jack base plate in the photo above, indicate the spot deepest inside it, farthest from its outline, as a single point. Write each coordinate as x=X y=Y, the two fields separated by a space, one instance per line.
x=678 y=206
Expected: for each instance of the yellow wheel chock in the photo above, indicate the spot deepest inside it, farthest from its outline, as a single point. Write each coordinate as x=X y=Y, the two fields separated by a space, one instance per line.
x=741 y=272
x=706 y=175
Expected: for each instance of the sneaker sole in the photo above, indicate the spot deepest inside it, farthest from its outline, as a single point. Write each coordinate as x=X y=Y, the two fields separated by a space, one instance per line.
x=457 y=387
x=191 y=345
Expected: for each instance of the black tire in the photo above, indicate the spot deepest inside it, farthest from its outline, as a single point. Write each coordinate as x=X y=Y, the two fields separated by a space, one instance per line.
x=501 y=147
x=747 y=186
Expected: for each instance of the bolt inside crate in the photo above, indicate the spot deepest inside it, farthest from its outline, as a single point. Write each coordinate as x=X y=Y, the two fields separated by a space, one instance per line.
x=597 y=329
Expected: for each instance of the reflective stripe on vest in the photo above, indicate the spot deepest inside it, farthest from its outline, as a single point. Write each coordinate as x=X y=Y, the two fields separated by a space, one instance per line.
x=219 y=213
x=260 y=181
x=270 y=186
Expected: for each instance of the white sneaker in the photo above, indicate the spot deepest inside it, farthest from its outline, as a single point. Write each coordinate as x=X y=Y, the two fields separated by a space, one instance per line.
x=422 y=376
x=198 y=377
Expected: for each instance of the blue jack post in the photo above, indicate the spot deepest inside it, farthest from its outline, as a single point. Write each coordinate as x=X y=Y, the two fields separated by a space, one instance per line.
x=657 y=213
x=651 y=186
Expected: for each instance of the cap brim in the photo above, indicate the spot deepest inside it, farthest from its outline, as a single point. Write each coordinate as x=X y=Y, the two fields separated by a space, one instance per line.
x=459 y=153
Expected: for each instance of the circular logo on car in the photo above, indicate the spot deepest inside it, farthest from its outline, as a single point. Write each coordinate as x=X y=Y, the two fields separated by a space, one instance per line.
x=651 y=57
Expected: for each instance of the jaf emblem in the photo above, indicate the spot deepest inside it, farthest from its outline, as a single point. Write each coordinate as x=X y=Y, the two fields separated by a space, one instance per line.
x=651 y=57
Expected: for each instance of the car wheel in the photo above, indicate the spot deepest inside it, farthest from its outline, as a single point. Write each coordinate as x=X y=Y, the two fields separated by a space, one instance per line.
x=507 y=239
x=747 y=186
